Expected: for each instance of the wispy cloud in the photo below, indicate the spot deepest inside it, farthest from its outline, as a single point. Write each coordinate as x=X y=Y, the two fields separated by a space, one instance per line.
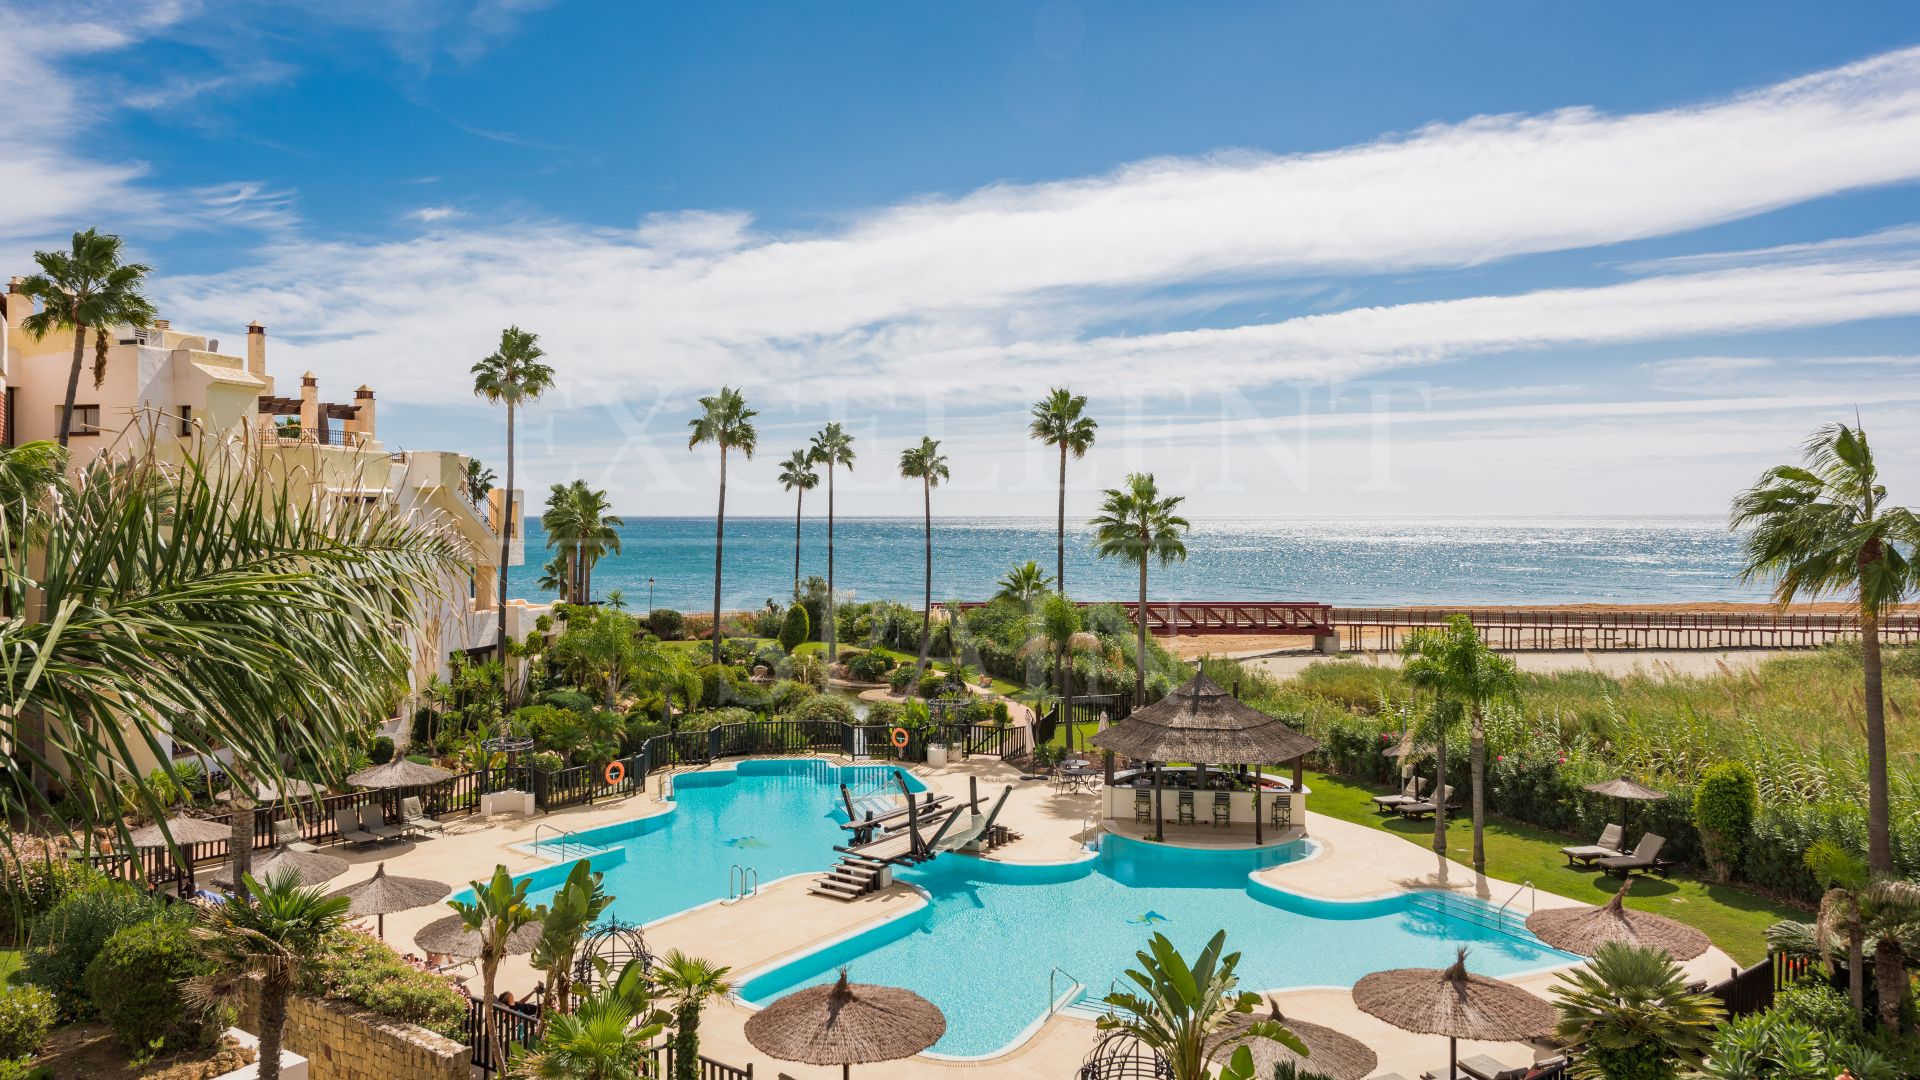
x=433 y=215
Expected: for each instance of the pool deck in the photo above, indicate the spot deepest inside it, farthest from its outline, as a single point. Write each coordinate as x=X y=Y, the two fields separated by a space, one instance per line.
x=1350 y=862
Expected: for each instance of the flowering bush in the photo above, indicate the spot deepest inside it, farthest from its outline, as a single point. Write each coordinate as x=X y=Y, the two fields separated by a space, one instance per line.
x=359 y=968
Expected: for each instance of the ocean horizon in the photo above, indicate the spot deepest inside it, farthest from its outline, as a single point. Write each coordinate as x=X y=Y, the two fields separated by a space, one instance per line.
x=1345 y=560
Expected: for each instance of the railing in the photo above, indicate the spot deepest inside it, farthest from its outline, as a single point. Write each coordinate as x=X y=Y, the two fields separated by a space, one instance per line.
x=1533 y=901
x=1752 y=990
x=564 y=834
x=1054 y=1004
x=1386 y=628
x=515 y=1029
x=743 y=883
x=562 y=788
x=709 y=1068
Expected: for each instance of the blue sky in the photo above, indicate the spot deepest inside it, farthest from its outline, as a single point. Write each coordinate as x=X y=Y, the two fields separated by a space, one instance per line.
x=1329 y=258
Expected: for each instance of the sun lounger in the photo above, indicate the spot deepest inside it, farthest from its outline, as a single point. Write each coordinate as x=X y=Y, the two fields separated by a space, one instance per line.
x=1645 y=859
x=414 y=819
x=286 y=834
x=1483 y=1067
x=1426 y=806
x=1606 y=847
x=374 y=820
x=348 y=826
x=1409 y=793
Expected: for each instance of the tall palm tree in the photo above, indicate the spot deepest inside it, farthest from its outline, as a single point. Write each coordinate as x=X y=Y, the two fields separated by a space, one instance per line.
x=928 y=465
x=798 y=476
x=726 y=422
x=87 y=286
x=1456 y=665
x=479 y=481
x=1629 y=1012
x=515 y=375
x=269 y=939
x=609 y=1037
x=691 y=982
x=498 y=908
x=1025 y=584
x=1822 y=527
x=1059 y=420
x=1191 y=1013
x=575 y=907
x=576 y=517
x=834 y=447
x=556 y=576
x=1138 y=524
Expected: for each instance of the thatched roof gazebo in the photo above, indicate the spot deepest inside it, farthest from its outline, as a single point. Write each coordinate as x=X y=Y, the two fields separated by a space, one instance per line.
x=1455 y=1003
x=1583 y=930
x=846 y=1024
x=1203 y=723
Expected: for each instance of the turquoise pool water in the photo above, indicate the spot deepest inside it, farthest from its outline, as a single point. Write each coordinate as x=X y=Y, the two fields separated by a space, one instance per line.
x=984 y=947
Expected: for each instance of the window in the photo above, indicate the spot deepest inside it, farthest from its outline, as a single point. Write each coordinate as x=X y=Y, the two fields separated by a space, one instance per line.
x=186 y=420
x=86 y=419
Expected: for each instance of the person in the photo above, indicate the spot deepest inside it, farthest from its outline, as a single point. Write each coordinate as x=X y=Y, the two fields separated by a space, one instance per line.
x=530 y=1007
x=505 y=1000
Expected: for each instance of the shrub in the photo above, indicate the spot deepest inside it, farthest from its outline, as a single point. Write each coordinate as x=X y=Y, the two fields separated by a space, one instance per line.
x=27 y=1013
x=23 y=1068
x=884 y=712
x=933 y=684
x=1814 y=1004
x=900 y=678
x=667 y=624
x=698 y=627
x=549 y=760
x=786 y=695
x=870 y=666
x=72 y=932
x=826 y=707
x=357 y=967
x=719 y=685
x=794 y=628
x=381 y=751
x=569 y=700
x=135 y=985
x=1723 y=809
x=33 y=881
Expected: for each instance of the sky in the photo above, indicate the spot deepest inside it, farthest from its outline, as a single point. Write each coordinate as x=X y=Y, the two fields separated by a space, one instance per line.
x=1359 y=258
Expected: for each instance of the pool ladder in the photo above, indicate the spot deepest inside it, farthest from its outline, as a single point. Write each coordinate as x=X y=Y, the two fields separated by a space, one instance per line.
x=743 y=883
x=1533 y=900
x=1054 y=996
x=565 y=836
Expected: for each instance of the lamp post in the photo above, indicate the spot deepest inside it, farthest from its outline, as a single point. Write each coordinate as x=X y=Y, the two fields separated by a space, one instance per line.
x=649 y=599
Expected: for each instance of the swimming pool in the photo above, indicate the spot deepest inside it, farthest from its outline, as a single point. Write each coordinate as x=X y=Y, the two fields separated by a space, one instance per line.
x=984 y=948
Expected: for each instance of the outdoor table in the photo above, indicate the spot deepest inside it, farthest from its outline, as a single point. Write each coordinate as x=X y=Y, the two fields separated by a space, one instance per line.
x=1082 y=778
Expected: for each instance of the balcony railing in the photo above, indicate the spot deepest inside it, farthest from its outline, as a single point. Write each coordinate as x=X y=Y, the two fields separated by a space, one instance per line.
x=293 y=435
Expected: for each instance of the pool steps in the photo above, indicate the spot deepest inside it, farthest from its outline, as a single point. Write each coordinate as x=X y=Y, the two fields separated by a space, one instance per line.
x=853 y=877
x=1453 y=907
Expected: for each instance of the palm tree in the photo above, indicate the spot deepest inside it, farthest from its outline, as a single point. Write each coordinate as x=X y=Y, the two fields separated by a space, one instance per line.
x=1138 y=524
x=690 y=982
x=1823 y=527
x=479 y=482
x=1190 y=1014
x=1866 y=911
x=1456 y=665
x=1024 y=584
x=726 y=422
x=798 y=476
x=1057 y=421
x=1629 y=1012
x=834 y=447
x=609 y=1037
x=498 y=908
x=577 y=516
x=557 y=577
x=575 y=907
x=269 y=939
x=515 y=375
x=86 y=287
x=928 y=465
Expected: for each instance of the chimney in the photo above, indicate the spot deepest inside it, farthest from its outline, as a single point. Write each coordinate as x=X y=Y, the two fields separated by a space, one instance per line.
x=309 y=406
x=19 y=306
x=363 y=418
x=256 y=349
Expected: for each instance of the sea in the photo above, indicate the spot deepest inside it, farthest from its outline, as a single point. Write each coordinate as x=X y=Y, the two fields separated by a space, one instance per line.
x=1347 y=561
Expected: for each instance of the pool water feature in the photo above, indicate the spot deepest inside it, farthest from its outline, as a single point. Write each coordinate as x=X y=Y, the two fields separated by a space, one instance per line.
x=995 y=934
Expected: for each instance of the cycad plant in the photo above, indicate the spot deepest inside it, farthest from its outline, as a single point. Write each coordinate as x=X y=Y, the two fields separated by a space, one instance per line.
x=1138 y=524
x=726 y=422
x=514 y=375
x=798 y=475
x=1630 y=1015
x=928 y=465
x=86 y=286
x=610 y=1036
x=691 y=982
x=1191 y=1014
x=1459 y=667
x=498 y=908
x=575 y=908
x=1824 y=527
x=832 y=447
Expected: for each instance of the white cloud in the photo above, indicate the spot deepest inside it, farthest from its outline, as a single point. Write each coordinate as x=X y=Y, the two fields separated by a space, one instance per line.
x=430 y=215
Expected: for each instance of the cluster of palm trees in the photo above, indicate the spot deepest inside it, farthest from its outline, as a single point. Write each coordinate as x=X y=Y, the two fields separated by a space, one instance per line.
x=578 y=522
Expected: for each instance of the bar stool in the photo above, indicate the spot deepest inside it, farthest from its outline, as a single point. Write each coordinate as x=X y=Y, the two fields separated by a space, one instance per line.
x=1222 y=808
x=1282 y=814
x=1186 y=806
x=1142 y=805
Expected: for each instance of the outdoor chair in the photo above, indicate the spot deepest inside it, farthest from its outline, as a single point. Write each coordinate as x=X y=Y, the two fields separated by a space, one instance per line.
x=1645 y=859
x=1186 y=806
x=1142 y=805
x=1606 y=847
x=348 y=826
x=1409 y=793
x=1281 y=816
x=1483 y=1067
x=1428 y=806
x=373 y=819
x=414 y=819
x=286 y=834
x=1222 y=808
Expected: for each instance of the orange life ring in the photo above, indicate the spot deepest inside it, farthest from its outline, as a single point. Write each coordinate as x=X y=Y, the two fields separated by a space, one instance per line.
x=900 y=738
x=616 y=772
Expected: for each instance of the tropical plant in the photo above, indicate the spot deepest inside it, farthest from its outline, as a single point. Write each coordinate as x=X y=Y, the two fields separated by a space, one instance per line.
x=86 y=286
x=1190 y=1013
x=577 y=521
x=726 y=422
x=1138 y=524
x=1723 y=808
x=556 y=576
x=798 y=475
x=479 y=481
x=498 y=908
x=1456 y=665
x=1880 y=915
x=1025 y=584
x=610 y=1036
x=1845 y=877
x=268 y=939
x=833 y=447
x=1823 y=527
x=794 y=630
x=1059 y=420
x=691 y=982
x=574 y=909
x=512 y=374
x=1631 y=1015
x=928 y=465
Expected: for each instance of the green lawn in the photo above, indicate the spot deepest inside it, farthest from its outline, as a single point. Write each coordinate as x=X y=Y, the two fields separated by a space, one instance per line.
x=1734 y=918
x=1081 y=733
x=9 y=965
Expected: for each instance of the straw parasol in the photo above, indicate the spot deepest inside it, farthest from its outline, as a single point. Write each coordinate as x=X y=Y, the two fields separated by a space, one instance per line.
x=267 y=791
x=1454 y=1003
x=450 y=937
x=1330 y=1053
x=184 y=830
x=1625 y=789
x=846 y=1024
x=309 y=867
x=381 y=895
x=1584 y=929
x=399 y=773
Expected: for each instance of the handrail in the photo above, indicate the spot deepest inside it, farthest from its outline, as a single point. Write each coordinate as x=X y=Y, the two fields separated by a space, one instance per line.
x=1533 y=904
x=1053 y=996
x=748 y=885
x=564 y=834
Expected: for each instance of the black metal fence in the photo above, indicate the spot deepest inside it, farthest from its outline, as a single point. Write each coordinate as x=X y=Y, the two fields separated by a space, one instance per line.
x=709 y=1068
x=513 y=1028
x=1087 y=709
x=1751 y=990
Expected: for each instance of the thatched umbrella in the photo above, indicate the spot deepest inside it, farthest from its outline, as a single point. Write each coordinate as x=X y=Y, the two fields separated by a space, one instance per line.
x=846 y=1024
x=399 y=773
x=381 y=895
x=1329 y=1053
x=1453 y=1003
x=1625 y=789
x=1583 y=930
x=184 y=830
x=308 y=867
x=450 y=937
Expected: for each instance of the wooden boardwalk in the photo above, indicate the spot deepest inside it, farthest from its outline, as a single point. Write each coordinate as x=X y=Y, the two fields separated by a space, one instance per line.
x=1549 y=629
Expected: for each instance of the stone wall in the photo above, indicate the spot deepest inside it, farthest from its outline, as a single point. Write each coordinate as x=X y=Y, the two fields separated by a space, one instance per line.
x=342 y=1041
